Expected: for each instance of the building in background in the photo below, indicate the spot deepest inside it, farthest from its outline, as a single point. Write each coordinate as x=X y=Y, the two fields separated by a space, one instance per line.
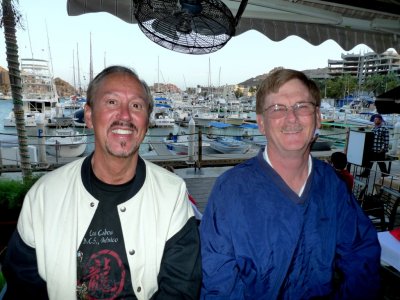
x=364 y=65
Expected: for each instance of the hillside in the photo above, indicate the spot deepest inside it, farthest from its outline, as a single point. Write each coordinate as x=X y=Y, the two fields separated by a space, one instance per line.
x=312 y=73
x=64 y=89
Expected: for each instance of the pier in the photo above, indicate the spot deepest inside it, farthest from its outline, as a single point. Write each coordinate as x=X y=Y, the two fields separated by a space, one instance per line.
x=163 y=158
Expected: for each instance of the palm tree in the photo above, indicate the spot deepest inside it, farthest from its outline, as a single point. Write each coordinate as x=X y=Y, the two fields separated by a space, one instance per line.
x=10 y=17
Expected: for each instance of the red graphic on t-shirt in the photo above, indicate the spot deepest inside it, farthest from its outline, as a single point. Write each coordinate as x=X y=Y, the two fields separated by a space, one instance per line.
x=104 y=275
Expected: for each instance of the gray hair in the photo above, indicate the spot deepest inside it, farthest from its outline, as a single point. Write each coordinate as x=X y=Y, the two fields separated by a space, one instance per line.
x=94 y=84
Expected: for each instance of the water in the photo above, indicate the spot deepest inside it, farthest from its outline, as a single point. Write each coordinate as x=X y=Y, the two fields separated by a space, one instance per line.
x=154 y=135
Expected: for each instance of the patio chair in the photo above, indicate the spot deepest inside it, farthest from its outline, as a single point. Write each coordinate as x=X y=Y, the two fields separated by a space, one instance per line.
x=382 y=208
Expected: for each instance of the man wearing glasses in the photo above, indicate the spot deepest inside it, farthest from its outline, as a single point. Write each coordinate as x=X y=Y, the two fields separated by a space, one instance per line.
x=282 y=225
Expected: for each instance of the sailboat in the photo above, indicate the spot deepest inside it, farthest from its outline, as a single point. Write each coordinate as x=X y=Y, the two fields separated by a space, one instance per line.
x=68 y=142
x=161 y=115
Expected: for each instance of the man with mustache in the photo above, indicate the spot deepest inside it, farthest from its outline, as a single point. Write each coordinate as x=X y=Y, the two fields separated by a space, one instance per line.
x=111 y=225
x=282 y=225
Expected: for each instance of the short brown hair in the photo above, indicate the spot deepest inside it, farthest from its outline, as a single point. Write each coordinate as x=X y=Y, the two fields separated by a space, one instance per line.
x=278 y=77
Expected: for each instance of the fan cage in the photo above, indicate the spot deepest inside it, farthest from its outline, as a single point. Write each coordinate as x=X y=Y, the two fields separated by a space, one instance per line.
x=211 y=29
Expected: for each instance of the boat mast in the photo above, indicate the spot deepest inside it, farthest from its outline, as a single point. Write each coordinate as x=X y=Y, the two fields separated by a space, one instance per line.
x=158 y=74
x=29 y=36
x=91 y=61
x=73 y=69
x=53 y=85
x=79 y=74
x=209 y=78
x=48 y=46
x=184 y=80
x=219 y=83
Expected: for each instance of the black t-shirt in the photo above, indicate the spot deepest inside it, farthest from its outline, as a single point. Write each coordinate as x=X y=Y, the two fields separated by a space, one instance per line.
x=103 y=270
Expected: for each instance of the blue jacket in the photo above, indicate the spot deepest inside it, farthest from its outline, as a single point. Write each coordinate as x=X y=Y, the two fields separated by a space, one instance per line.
x=260 y=240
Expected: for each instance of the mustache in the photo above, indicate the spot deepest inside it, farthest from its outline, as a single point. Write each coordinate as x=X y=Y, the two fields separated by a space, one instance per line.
x=123 y=124
x=292 y=128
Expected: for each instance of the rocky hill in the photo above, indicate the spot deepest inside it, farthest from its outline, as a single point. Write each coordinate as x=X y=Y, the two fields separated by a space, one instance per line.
x=64 y=89
x=311 y=73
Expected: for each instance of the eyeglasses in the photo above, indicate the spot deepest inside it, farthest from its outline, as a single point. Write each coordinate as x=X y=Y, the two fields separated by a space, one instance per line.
x=302 y=109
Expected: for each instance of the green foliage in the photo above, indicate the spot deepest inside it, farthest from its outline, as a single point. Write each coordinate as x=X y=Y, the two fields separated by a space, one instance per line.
x=2 y=281
x=12 y=192
x=381 y=83
x=238 y=93
x=342 y=86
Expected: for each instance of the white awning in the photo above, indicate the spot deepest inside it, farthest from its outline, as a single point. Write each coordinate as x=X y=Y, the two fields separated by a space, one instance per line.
x=375 y=23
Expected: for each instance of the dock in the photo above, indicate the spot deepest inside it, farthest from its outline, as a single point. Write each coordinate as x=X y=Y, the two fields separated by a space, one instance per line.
x=160 y=149
x=200 y=182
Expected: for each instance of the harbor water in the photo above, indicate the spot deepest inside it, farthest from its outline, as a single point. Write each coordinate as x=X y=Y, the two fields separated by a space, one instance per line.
x=153 y=136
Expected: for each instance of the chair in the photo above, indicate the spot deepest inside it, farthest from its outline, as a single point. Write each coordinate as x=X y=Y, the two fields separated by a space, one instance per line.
x=391 y=202
x=382 y=208
x=359 y=189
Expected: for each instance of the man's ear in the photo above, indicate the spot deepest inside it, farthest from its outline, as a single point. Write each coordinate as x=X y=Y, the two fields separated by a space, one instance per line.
x=260 y=123
x=88 y=116
x=318 y=118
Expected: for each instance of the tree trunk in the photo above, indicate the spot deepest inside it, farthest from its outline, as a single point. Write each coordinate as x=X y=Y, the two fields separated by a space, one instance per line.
x=10 y=20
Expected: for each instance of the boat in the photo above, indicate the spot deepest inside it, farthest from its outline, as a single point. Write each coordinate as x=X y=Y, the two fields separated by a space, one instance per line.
x=202 y=118
x=60 y=122
x=75 y=102
x=162 y=120
x=39 y=95
x=229 y=145
x=66 y=143
x=30 y=119
x=234 y=119
x=79 y=118
x=180 y=144
x=9 y=151
x=161 y=115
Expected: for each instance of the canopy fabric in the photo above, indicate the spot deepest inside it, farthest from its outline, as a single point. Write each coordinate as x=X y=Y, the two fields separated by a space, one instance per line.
x=388 y=102
x=375 y=23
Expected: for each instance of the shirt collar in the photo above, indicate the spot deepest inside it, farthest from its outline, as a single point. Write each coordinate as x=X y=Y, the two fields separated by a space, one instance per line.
x=265 y=155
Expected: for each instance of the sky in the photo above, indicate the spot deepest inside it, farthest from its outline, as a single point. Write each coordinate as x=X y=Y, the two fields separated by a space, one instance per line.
x=49 y=33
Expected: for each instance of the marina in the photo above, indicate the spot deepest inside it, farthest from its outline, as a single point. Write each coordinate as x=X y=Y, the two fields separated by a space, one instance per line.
x=200 y=153
x=215 y=142
x=170 y=146
x=225 y=131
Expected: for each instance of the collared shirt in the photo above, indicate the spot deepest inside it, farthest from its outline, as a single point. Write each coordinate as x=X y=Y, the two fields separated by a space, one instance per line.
x=381 y=139
x=266 y=157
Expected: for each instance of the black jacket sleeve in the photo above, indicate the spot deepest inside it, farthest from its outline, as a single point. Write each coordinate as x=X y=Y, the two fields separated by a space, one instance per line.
x=180 y=270
x=21 y=271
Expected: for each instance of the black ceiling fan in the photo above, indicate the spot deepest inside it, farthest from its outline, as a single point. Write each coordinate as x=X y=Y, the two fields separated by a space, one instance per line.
x=188 y=26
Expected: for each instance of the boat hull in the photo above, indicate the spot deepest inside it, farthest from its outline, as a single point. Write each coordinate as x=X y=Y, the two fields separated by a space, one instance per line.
x=66 y=150
x=229 y=146
x=181 y=145
x=67 y=143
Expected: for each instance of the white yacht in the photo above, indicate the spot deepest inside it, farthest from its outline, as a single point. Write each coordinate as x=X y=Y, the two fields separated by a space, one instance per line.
x=39 y=95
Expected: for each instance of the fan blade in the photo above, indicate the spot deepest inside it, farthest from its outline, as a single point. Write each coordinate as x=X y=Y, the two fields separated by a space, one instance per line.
x=165 y=27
